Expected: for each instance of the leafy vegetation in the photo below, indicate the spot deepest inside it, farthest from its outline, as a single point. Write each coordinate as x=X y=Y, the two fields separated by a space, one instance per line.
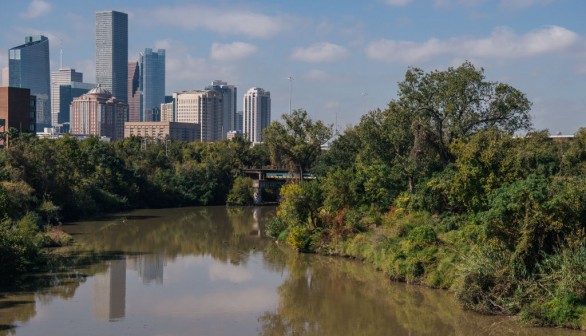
x=44 y=182
x=438 y=189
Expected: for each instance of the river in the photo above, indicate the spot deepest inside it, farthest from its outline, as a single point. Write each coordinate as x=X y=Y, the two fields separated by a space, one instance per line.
x=211 y=271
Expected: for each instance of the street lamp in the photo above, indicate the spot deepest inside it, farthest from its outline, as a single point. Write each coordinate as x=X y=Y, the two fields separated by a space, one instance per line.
x=290 y=78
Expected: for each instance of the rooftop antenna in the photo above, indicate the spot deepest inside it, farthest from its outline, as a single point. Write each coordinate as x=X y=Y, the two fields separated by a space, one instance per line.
x=60 y=58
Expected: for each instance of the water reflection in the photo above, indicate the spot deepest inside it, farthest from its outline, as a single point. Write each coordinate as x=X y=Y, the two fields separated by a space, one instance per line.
x=333 y=296
x=110 y=292
x=210 y=271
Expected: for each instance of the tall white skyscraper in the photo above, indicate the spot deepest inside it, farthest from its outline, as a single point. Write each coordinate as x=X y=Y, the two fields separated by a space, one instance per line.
x=203 y=107
x=257 y=113
x=152 y=83
x=112 y=52
x=229 y=108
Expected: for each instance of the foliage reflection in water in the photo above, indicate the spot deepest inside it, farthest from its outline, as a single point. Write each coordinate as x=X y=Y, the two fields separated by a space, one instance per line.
x=210 y=271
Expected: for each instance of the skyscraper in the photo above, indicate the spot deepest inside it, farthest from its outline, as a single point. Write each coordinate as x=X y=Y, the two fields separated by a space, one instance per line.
x=134 y=94
x=28 y=67
x=66 y=84
x=112 y=52
x=203 y=107
x=229 y=108
x=98 y=113
x=152 y=83
x=257 y=113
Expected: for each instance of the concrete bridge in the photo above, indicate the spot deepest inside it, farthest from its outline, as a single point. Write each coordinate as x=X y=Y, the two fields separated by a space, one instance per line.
x=267 y=182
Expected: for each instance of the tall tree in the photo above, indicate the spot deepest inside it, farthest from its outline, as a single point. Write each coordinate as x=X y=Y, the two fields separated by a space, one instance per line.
x=458 y=102
x=297 y=141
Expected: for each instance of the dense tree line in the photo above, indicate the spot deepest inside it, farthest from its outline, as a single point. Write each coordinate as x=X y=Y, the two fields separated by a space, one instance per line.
x=49 y=181
x=440 y=189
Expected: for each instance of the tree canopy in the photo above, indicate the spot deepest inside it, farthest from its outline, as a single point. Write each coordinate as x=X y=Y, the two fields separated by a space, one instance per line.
x=458 y=102
x=297 y=141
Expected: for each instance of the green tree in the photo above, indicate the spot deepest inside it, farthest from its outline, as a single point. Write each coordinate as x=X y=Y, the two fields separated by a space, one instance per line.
x=458 y=102
x=242 y=192
x=297 y=141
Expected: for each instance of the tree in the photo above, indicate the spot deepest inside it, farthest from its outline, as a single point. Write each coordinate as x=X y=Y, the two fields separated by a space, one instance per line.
x=458 y=102
x=296 y=142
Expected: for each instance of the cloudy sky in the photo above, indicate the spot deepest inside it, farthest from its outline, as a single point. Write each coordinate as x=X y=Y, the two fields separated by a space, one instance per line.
x=346 y=57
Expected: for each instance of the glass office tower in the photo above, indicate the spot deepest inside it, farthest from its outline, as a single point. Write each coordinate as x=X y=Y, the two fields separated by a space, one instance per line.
x=152 y=83
x=28 y=67
x=112 y=52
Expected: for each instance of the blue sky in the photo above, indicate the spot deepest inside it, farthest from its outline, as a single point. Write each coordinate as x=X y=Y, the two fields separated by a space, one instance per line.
x=346 y=57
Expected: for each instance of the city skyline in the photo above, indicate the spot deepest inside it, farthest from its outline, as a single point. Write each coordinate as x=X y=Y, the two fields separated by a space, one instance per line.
x=337 y=52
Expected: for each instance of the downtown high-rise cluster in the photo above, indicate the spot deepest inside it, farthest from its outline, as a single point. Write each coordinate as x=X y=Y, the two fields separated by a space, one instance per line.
x=128 y=98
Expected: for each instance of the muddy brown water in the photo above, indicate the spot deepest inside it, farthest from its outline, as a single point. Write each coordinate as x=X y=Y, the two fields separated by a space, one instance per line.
x=211 y=271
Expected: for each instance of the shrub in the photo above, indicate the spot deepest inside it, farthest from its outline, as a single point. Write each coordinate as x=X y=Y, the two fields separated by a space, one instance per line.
x=242 y=192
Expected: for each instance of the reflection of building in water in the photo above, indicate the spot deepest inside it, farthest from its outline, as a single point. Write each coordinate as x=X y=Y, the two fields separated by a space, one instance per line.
x=258 y=225
x=150 y=268
x=110 y=292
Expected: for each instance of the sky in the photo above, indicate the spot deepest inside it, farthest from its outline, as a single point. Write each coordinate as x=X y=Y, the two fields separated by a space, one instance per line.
x=345 y=57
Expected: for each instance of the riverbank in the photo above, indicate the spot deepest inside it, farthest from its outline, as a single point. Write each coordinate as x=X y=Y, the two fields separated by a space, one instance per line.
x=538 y=279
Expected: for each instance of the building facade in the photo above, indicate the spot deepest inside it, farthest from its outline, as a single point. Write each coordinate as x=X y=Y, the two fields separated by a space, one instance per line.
x=256 y=114
x=229 y=105
x=112 y=52
x=203 y=107
x=161 y=130
x=98 y=113
x=5 y=76
x=17 y=110
x=66 y=84
x=168 y=111
x=152 y=83
x=28 y=67
x=134 y=94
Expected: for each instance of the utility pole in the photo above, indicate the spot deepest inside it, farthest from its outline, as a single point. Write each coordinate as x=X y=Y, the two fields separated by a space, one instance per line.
x=290 y=78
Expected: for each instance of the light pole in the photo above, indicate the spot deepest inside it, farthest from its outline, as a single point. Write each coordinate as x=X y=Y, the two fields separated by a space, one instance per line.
x=364 y=94
x=290 y=78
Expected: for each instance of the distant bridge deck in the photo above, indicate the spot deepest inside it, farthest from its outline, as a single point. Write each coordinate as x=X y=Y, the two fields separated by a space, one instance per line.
x=267 y=182
x=273 y=173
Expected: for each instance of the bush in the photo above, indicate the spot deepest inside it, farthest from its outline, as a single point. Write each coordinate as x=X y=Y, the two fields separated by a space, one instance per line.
x=20 y=246
x=299 y=238
x=242 y=192
x=276 y=227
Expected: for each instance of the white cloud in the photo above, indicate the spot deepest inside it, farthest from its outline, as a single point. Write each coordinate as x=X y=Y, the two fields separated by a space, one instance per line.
x=521 y=4
x=502 y=44
x=36 y=8
x=398 y=2
x=220 y=20
x=184 y=71
x=232 y=51
x=320 y=52
x=509 y=5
